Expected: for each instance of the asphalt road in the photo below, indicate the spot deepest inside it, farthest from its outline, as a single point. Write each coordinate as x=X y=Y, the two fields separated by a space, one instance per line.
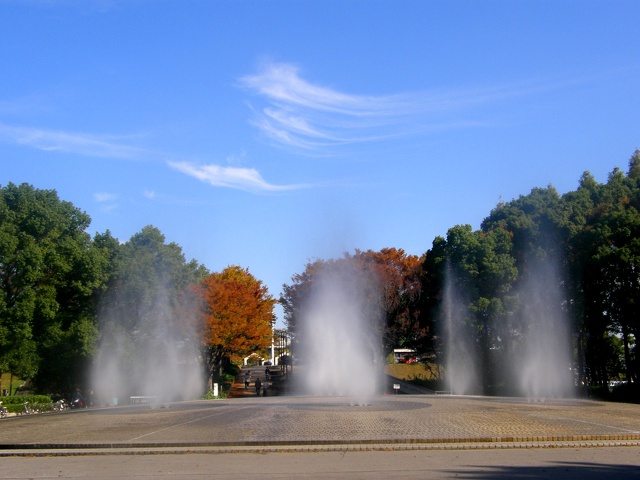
x=619 y=463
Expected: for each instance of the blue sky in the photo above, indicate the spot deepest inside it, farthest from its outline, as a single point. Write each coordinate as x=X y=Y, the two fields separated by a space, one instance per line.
x=269 y=133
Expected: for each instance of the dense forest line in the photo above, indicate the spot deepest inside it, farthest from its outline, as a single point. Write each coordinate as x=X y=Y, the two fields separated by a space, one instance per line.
x=582 y=249
x=585 y=247
x=110 y=316
x=62 y=291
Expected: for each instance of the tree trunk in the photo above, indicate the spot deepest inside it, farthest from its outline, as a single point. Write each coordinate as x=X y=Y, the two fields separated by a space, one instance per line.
x=627 y=353
x=214 y=367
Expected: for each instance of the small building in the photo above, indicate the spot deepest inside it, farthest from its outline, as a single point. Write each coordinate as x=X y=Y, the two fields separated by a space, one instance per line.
x=404 y=355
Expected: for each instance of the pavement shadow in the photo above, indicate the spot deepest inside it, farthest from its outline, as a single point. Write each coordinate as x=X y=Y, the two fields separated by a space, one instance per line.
x=277 y=383
x=561 y=470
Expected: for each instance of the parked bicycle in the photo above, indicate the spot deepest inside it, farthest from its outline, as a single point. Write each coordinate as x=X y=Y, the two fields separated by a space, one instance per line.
x=29 y=409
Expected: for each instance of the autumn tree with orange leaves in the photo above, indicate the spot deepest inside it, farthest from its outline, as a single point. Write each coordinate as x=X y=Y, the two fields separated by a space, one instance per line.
x=393 y=288
x=399 y=294
x=238 y=311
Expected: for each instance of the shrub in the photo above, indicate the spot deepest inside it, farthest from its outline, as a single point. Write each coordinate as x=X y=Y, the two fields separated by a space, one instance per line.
x=210 y=396
x=16 y=403
x=598 y=392
x=626 y=392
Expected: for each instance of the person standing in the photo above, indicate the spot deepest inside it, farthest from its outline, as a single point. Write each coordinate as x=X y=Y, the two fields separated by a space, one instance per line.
x=258 y=386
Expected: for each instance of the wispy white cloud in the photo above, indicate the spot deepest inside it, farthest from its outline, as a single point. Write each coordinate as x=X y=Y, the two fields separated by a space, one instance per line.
x=299 y=114
x=108 y=201
x=247 y=179
x=102 y=197
x=281 y=83
x=71 y=142
x=107 y=146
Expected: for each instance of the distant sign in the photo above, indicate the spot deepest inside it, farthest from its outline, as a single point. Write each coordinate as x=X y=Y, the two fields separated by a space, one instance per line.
x=396 y=386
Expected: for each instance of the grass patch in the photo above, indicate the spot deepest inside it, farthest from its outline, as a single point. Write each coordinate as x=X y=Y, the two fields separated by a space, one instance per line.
x=409 y=371
x=7 y=384
x=421 y=374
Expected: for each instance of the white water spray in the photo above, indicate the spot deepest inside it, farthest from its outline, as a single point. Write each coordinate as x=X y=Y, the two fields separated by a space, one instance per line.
x=339 y=332
x=462 y=357
x=537 y=363
x=543 y=360
x=152 y=355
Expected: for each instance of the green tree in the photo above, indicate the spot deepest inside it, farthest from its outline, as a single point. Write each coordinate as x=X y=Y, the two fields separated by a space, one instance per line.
x=584 y=244
x=610 y=244
x=634 y=166
x=145 y=314
x=50 y=274
x=433 y=276
x=295 y=295
x=479 y=268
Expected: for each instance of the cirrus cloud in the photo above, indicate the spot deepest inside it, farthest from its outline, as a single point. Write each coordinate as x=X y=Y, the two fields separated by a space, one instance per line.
x=71 y=142
x=248 y=179
x=308 y=117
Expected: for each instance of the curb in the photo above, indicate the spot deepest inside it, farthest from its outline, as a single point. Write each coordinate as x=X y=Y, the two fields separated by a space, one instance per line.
x=498 y=443
x=79 y=452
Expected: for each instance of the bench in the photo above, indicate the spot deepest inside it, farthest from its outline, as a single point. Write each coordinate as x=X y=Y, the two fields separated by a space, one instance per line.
x=142 y=400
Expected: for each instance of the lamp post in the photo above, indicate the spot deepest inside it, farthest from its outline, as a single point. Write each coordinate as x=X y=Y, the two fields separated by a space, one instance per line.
x=283 y=363
x=273 y=332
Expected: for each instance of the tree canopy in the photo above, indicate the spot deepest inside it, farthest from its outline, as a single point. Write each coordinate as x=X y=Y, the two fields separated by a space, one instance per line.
x=50 y=275
x=583 y=250
x=237 y=316
x=63 y=293
x=146 y=318
x=589 y=235
x=389 y=280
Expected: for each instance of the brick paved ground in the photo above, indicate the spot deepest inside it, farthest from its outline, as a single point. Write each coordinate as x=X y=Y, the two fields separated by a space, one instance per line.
x=389 y=421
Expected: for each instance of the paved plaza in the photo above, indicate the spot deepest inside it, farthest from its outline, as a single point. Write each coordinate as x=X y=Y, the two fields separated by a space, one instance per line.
x=305 y=423
x=294 y=437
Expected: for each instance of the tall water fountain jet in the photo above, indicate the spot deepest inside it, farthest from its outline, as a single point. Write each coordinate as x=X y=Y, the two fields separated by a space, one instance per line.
x=461 y=357
x=147 y=352
x=339 y=334
x=530 y=347
x=542 y=362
